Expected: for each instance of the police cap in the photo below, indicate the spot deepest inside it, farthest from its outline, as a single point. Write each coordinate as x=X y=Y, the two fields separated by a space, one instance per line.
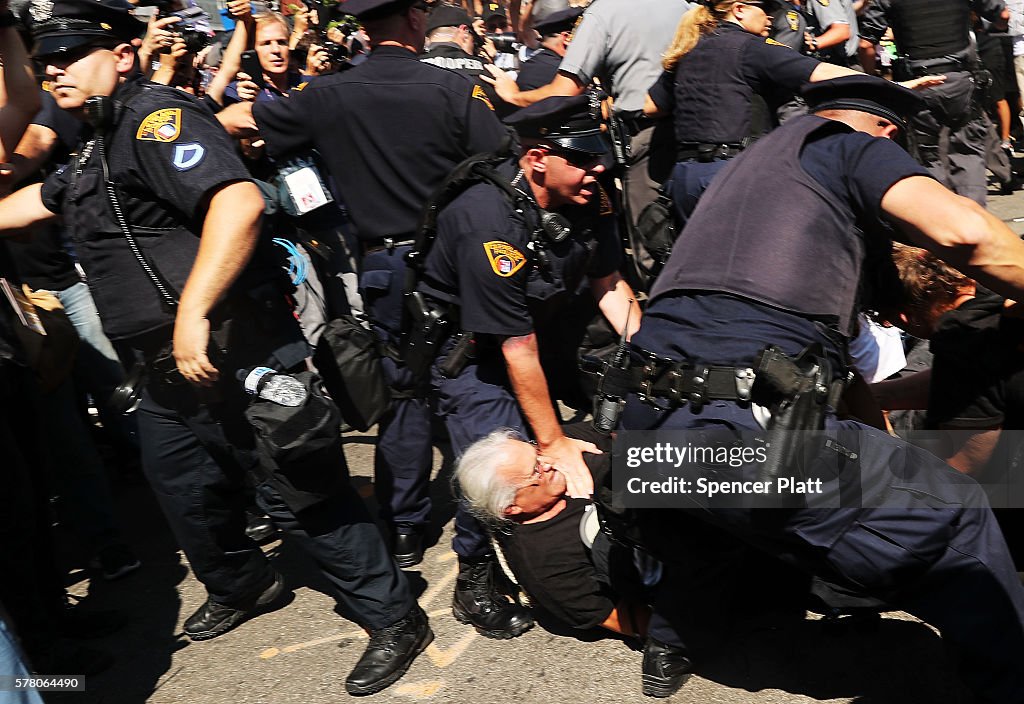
x=447 y=16
x=373 y=9
x=570 y=122
x=869 y=94
x=561 y=21
x=495 y=17
x=61 y=26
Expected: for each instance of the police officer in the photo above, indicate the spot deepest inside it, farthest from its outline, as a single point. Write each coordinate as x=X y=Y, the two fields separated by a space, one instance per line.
x=832 y=34
x=397 y=128
x=951 y=131
x=722 y=83
x=784 y=270
x=451 y=44
x=509 y=271
x=621 y=43
x=166 y=224
x=555 y=32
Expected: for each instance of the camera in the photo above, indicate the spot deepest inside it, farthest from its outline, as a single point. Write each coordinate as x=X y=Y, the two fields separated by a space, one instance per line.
x=505 y=43
x=338 y=53
x=193 y=25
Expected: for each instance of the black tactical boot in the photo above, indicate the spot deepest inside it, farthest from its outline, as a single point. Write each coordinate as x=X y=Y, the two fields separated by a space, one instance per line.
x=213 y=618
x=478 y=602
x=666 y=668
x=389 y=654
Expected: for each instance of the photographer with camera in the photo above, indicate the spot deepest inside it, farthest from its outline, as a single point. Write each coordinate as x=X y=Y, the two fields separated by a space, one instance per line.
x=167 y=224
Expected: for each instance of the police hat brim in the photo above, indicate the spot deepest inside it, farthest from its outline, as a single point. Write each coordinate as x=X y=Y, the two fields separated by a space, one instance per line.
x=593 y=143
x=62 y=44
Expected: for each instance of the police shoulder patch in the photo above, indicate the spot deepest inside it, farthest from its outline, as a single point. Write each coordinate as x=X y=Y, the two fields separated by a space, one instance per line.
x=769 y=40
x=301 y=87
x=505 y=259
x=481 y=95
x=160 y=126
x=606 y=201
x=187 y=156
x=794 y=20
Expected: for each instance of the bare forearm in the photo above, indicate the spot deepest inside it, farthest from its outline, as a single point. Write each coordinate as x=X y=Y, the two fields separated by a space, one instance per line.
x=561 y=85
x=230 y=231
x=23 y=210
x=237 y=120
x=531 y=387
x=836 y=33
x=618 y=303
x=19 y=94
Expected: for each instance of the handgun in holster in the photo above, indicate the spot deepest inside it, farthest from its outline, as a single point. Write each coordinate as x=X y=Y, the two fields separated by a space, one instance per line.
x=620 y=137
x=797 y=391
x=458 y=356
x=426 y=328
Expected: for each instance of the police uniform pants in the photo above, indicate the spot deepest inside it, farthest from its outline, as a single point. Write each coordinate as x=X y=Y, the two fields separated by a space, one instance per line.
x=921 y=537
x=951 y=134
x=196 y=456
x=475 y=403
x=689 y=181
x=649 y=166
x=403 y=458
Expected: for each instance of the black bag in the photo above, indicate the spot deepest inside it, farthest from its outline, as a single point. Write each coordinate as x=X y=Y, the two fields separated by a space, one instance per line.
x=300 y=447
x=348 y=357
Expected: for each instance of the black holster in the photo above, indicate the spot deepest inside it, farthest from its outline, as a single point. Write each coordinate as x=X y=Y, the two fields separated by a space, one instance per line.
x=798 y=392
x=426 y=328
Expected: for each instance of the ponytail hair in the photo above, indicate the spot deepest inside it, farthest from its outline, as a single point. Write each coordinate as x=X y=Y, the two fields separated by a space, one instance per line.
x=701 y=20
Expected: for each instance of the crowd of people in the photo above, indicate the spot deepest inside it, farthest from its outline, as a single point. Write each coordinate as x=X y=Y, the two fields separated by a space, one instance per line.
x=233 y=231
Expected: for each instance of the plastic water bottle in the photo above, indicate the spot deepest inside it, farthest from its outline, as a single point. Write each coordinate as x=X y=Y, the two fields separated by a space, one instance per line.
x=274 y=386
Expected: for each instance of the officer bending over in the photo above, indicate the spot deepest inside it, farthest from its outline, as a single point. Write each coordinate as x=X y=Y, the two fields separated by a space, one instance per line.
x=157 y=202
x=784 y=270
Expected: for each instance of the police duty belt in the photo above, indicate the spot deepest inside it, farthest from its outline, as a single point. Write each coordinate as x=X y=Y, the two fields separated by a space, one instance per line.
x=679 y=382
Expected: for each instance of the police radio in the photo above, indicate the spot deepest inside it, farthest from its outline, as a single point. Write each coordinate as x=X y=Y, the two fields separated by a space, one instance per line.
x=99 y=112
x=608 y=407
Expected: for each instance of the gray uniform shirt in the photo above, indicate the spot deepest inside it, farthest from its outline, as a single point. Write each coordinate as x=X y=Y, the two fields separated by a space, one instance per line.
x=829 y=12
x=621 y=42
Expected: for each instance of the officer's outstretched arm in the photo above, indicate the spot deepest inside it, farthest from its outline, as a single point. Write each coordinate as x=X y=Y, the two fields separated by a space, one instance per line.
x=507 y=89
x=230 y=230
x=617 y=302
x=238 y=121
x=23 y=210
x=531 y=389
x=958 y=231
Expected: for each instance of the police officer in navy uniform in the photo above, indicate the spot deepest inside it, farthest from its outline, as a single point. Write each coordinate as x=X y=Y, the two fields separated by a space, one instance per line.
x=510 y=278
x=785 y=270
x=934 y=37
x=397 y=128
x=722 y=83
x=450 y=45
x=555 y=32
x=166 y=222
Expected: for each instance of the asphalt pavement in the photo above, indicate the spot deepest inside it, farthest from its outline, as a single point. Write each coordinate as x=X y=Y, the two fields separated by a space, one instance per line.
x=302 y=653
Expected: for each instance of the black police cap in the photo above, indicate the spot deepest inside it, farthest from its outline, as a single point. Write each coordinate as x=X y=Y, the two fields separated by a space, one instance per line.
x=495 y=16
x=448 y=16
x=869 y=94
x=372 y=9
x=61 y=26
x=571 y=122
x=561 y=21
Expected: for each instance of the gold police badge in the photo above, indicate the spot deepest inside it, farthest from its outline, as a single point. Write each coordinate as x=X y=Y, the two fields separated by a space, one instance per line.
x=505 y=259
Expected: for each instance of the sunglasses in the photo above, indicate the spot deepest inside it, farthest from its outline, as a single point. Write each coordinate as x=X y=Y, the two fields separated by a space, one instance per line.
x=581 y=160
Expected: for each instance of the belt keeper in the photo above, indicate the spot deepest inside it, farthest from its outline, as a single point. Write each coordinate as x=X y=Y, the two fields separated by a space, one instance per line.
x=744 y=383
x=645 y=383
x=675 y=391
x=389 y=243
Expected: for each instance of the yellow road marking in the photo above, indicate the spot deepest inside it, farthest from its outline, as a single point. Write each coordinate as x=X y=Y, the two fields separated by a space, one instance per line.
x=419 y=690
x=443 y=658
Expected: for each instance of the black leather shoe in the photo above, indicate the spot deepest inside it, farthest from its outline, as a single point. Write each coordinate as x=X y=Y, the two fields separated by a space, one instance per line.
x=666 y=668
x=390 y=653
x=408 y=549
x=479 y=603
x=213 y=619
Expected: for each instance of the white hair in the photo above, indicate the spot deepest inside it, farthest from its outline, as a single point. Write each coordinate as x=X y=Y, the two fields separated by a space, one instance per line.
x=478 y=481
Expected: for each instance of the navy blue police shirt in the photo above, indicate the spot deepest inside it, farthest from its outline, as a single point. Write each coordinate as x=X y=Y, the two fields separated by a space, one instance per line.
x=719 y=328
x=539 y=70
x=482 y=259
x=167 y=154
x=390 y=130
